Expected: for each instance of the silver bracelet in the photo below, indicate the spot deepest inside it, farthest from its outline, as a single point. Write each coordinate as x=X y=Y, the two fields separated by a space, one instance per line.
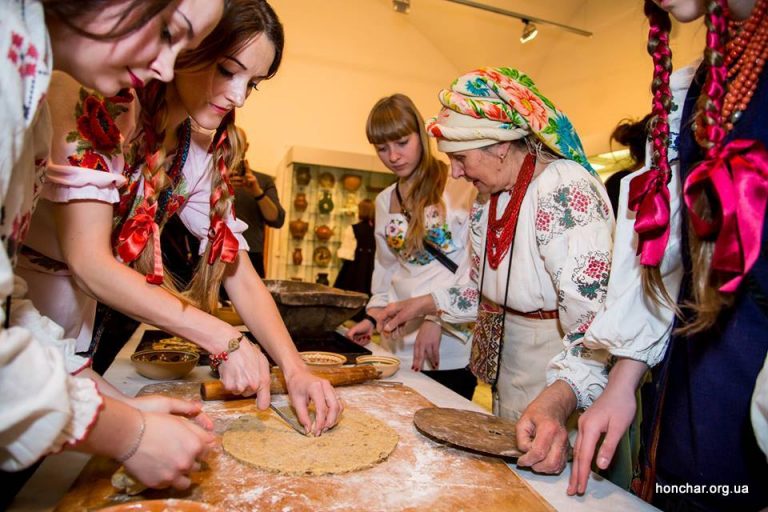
x=136 y=444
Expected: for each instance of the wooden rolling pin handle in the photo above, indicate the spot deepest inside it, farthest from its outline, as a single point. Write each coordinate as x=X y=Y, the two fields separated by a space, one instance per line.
x=214 y=389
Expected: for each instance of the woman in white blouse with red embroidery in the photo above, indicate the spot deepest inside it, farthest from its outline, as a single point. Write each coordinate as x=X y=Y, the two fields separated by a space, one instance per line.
x=541 y=237
x=107 y=174
x=43 y=408
x=421 y=232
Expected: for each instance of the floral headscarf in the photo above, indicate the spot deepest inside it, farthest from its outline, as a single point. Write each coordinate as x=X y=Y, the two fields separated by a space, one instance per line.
x=493 y=104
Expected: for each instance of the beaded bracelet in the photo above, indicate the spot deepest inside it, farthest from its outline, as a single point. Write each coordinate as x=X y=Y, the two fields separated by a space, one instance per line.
x=136 y=444
x=215 y=360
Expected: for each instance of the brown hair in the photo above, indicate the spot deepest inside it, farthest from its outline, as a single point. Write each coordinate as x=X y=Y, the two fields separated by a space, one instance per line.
x=392 y=118
x=633 y=135
x=243 y=20
x=366 y=210
x=708 y=301
x=135 y=15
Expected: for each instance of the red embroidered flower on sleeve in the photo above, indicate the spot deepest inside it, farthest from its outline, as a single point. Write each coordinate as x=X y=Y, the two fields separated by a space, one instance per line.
x=96 y=125
x=89 y=160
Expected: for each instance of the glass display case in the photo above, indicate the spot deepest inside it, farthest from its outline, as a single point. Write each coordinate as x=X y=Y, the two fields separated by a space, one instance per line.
x=320 y=196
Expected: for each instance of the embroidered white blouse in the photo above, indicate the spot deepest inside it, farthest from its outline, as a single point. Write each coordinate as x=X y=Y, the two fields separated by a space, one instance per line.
x=397 y=278
x=560 y=260
x=629 y=324
x=89 y=161
x=42 y=407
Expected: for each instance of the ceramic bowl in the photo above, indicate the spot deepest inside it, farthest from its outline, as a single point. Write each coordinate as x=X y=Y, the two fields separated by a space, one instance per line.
x=326 y=359
x=387 y=365
x=164 y=364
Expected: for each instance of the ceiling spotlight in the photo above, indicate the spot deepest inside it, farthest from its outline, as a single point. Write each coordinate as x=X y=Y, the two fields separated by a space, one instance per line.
x=529 y=31
x=401 y=6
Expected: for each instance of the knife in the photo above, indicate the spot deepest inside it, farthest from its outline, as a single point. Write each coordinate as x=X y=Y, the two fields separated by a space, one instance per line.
x=288 y=415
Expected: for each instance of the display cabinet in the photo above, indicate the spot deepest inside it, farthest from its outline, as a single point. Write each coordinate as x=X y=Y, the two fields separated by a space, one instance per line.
x=320 y=191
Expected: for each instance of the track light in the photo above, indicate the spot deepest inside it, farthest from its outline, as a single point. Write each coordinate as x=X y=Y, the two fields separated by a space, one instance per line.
x=529 y=31
x=401 y=6
x=527 y=19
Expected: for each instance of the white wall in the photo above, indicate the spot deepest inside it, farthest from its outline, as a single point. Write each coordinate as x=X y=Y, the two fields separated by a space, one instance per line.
x=343 y=55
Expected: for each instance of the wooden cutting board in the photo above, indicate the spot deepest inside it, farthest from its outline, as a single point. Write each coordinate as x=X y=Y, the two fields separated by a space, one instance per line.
x=468 y=429
x=419 y=475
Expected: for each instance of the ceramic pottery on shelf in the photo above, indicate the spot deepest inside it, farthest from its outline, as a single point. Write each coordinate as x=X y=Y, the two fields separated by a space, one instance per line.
x=323 y=232
x=298 y=257
x=300 y=202
x=351 y=182
x=325 y=205
x=298 y=229
x=326 y=180
x=322 y=256
x=302 y=175
x=322 y=278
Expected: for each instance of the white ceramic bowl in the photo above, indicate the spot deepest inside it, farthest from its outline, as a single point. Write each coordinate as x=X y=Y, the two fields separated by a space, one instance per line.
x=387 y=365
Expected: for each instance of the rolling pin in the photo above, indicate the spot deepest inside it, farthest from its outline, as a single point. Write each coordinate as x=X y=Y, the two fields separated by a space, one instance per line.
x=214 y=389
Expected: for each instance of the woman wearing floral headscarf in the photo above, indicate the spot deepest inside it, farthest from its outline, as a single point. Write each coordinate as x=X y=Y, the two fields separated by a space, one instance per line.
x=541 y=238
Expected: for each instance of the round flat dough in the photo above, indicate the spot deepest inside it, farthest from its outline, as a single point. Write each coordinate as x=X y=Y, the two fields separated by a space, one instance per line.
x=265 y=441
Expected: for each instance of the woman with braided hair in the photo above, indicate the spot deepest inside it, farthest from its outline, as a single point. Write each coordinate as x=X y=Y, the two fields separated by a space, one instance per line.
x=698 y=215
x=47 y=403
x=112 y=152
x=541 y=240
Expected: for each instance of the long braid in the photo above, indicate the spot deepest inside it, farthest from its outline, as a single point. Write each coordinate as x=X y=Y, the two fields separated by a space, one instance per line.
x=659 y=50
x=710 y=132
x=153 y=122
x=226 y=155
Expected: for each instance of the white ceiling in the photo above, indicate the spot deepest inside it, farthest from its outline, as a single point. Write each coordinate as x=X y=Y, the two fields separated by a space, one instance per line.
x=343 y=55
x=597 y=80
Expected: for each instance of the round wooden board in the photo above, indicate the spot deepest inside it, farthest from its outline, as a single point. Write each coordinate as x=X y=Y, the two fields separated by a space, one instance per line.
x=470 y=430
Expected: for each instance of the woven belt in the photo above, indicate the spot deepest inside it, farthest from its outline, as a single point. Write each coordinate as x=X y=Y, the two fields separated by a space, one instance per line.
x=539 y=314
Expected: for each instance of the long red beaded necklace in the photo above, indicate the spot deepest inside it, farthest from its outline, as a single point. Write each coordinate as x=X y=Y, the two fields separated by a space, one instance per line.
x=746 y=53
x=501 y=231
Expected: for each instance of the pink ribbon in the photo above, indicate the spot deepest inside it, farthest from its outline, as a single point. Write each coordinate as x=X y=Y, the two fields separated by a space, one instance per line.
x=649 y=197
x=735 y=179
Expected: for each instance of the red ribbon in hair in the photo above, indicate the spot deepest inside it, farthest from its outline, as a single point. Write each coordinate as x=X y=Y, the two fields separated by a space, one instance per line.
x=736 y=176
x=223 y=243
x=649 y=197
x=137 y=230
x=135 y=235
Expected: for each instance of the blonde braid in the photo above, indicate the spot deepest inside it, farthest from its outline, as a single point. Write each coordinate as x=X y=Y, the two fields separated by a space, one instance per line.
x=226 y=154
x=708 y=300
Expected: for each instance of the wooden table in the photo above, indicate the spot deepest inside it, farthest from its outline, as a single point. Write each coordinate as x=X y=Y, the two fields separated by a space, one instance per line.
x=57 y=473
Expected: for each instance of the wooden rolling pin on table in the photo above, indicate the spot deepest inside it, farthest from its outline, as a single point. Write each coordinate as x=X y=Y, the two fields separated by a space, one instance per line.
x=342 y=376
